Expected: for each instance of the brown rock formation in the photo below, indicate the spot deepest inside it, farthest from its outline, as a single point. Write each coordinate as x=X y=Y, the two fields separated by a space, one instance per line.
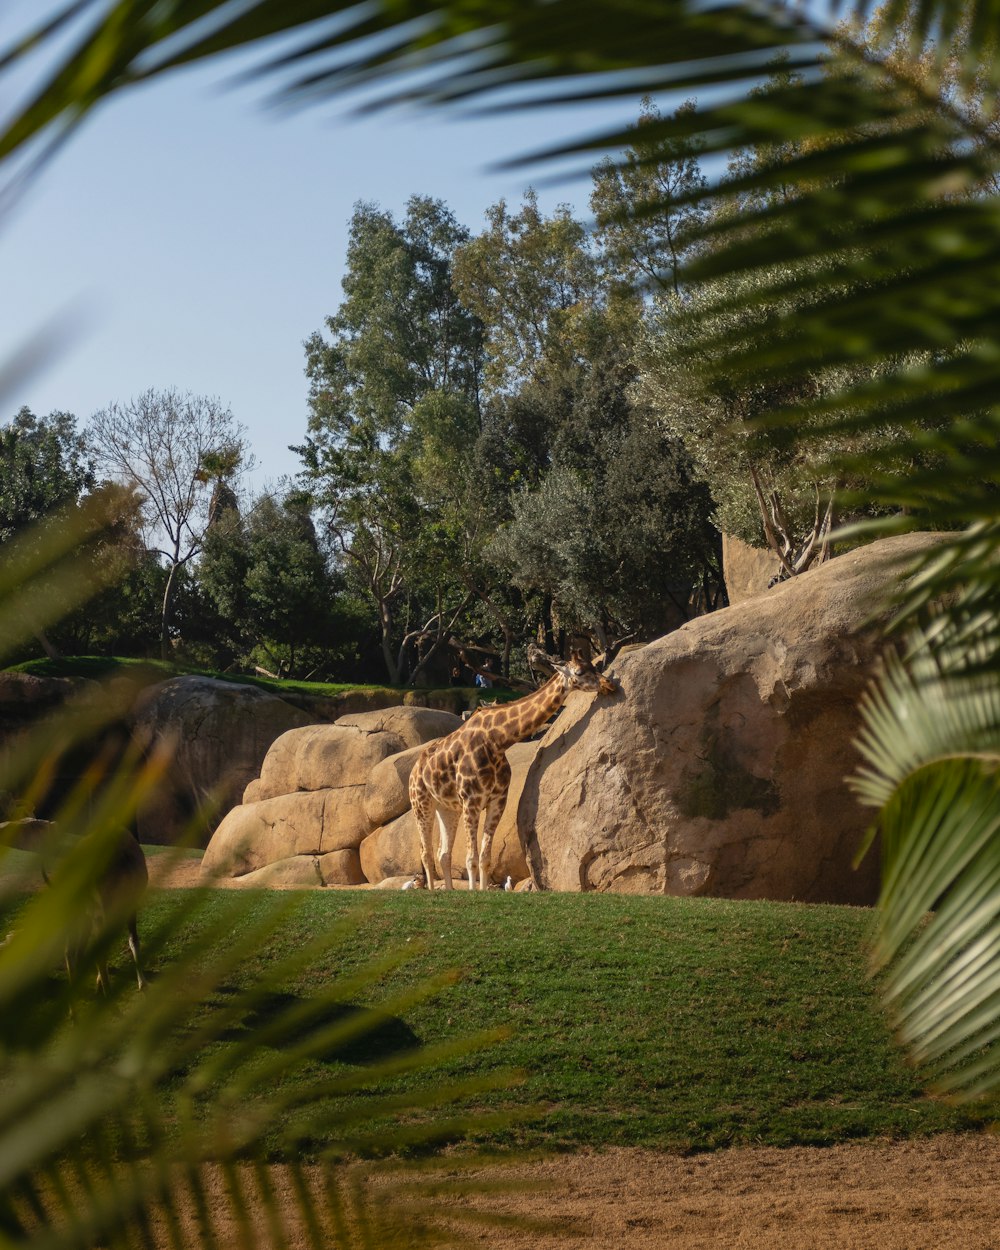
x=308 y=823
x=219 y=732
x=319 y=756
x=415 y=726
x=386 y=794
x=746 y=570
x=722 y=770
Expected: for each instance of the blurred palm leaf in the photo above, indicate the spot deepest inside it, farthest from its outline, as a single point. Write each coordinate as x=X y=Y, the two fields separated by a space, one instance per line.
x=932 y=751
x=888 y=238
x=149 y=1119
x=889 y=252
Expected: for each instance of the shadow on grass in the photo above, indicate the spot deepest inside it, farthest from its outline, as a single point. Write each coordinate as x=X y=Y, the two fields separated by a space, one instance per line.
x=374 y=1036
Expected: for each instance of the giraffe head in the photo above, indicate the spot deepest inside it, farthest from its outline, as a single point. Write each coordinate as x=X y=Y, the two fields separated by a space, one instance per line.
x=579 y=674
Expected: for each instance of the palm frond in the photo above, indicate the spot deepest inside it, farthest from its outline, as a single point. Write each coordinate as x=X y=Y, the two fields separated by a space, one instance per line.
x=931 y=746
x=152 y=1118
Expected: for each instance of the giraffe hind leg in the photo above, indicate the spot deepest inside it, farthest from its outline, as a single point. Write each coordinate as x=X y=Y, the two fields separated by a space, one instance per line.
x=494 y=810
x=134 y=947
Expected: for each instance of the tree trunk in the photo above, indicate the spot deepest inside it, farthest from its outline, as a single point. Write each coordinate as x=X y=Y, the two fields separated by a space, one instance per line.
x=166 y=647
x=42 y=639
x=385 y=619
x=548 y=625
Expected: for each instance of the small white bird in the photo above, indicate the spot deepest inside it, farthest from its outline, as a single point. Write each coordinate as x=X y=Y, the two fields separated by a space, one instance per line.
x=410 y=885
x=508 y=884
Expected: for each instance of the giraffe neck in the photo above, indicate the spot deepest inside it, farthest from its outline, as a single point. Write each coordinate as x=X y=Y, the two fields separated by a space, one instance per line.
x=513 y=722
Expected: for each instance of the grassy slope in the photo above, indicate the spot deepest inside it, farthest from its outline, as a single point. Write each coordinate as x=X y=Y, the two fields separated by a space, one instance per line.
x=669 y=1023
x=98 y=668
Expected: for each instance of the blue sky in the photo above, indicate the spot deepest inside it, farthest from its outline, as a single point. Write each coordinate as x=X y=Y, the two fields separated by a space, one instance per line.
x=198 y=237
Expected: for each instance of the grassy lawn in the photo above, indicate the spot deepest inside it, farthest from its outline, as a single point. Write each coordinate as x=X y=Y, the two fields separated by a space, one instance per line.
x=682 y=1024
x=99 y=668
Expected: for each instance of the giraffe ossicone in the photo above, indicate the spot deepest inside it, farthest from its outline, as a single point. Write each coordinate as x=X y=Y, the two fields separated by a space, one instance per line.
x=465 y=776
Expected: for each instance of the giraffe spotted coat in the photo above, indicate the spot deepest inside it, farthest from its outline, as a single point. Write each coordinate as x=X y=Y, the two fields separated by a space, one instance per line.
x=465 y=776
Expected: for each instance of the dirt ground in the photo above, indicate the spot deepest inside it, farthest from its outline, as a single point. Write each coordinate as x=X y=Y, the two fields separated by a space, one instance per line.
x=940 y=1193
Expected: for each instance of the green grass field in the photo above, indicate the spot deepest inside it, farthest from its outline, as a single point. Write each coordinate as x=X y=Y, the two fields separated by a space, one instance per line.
x=100 y=668
x=681 y=1024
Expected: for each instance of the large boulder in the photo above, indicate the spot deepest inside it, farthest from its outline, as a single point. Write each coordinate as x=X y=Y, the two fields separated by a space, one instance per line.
x=721 y=768
x=218 y=733
x=414 y=726
x=307 y=872
x=25 y=702
x=314 y=822
x=319 y=756
x=387 y=794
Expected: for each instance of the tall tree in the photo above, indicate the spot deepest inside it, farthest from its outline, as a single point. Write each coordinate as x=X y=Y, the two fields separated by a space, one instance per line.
x=172 y=448
x=46 y=469
x=534 y=283
x=45 y=465
x=647 y=204
x=270 y=581
x=397 y=377
x=617 y=535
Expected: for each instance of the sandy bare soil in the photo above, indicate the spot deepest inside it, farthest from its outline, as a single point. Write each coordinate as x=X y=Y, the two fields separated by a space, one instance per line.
x=941 y=1193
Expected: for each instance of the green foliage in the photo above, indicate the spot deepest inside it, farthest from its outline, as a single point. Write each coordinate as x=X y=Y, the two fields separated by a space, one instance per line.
x=534 y=283
x=931 y=748
x=272 y=586
x=47 y=479
x=646 y=203
x=606 y=519
x=45 y=466
x=393 y=403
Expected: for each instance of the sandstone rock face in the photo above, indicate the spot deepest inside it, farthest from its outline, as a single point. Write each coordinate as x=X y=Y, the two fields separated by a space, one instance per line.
x=414 y=726
x=219 y=732
x=315 y=800
x=319 y=756
x=721 y=767
x=393 y=850
x=307 y=823
x=386 y=794
x=22 y=695
x=306 y=872
x=746 y=570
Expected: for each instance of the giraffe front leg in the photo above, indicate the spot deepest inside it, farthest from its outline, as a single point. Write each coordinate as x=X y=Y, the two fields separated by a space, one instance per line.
x=424 y=812
x=447 y=825
x=494 y=810
x=470 y=824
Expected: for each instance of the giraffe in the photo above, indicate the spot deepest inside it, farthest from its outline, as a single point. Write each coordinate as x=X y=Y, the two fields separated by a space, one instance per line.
x=466 y=775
